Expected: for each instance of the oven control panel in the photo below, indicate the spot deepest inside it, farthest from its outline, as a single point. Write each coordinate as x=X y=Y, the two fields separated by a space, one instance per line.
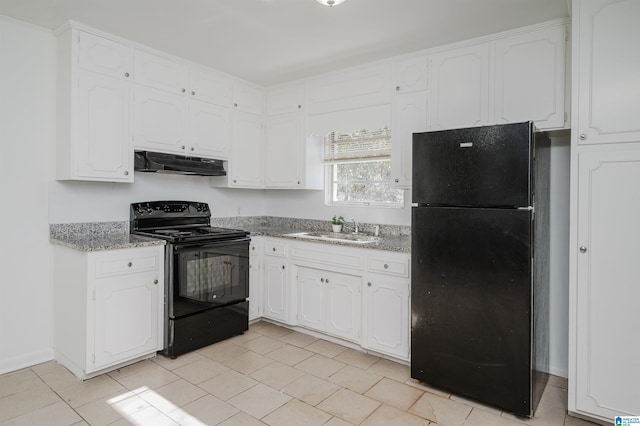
x=169 y=209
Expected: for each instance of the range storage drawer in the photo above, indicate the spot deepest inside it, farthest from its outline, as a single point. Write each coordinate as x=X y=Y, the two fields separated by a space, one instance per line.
x=275 y=248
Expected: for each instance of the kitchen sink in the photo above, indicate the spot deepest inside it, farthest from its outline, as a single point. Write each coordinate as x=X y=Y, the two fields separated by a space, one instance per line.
x=336 y=236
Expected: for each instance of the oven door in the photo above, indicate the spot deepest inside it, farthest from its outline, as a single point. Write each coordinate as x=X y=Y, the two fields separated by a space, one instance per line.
x=209 y=275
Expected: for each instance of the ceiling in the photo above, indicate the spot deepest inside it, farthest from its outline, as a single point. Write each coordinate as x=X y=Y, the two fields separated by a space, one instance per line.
x=273 y=41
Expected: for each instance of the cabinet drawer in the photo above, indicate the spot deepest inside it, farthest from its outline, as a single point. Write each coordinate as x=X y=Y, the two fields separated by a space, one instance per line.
x=126 y=262
x=275 y=248
x=328 y=255
x=397 y=267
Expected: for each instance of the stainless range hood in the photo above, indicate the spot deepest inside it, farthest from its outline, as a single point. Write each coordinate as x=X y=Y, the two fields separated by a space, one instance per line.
x=146 y=161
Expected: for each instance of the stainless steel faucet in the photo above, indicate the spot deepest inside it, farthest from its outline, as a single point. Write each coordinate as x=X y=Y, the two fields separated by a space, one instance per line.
x=355 y=226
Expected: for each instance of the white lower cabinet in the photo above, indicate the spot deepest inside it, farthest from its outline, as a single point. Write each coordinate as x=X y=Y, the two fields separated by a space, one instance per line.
x=329 y=302
x=386 y=313
x=276 y=289
x=255 y=279
x=108 y=307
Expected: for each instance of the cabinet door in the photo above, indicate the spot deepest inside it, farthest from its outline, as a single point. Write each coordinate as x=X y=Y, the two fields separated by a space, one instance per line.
x=529 y=78
x=409 y=117
x=459 y=88
x=311 y=300
x=103 y=150
x=209 y=87
x=284 y=151
x=410 y=75
x=247 y=99
x=255 y=285
x=104 y=56
x=276 y=292
x=607 y=67
x=209 y=130
x=246 y=163
x=386 y=315
x=160 y=121
x=343 y=305
x=284 y=100
x=160 y=72
x=126 y=321
x=607 y=287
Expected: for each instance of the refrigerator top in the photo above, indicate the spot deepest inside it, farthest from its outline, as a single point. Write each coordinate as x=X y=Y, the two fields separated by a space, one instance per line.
x=488 y=166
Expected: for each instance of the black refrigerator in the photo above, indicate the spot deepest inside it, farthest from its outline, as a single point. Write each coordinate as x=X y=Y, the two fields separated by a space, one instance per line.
x=479 y=263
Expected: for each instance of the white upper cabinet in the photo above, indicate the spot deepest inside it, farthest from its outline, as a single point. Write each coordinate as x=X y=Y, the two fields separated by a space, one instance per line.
x=529 y=80
x=209 y=130
x=607 y=70
x=409 y=117
x=93 y=98
x=99 y=54
x=284 y=149
x=284 y=100
x=160 y=121
x=459 y=88
x=160 y=72
x=207 y=86
x=247 y=98
x=246 y=167
x=410 y=75
x=348 y=90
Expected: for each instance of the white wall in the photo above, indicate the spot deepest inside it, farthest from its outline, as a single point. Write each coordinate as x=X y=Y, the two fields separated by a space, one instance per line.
x=26 y=132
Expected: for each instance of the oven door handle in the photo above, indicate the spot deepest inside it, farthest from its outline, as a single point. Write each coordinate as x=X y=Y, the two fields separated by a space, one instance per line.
x=181 y=247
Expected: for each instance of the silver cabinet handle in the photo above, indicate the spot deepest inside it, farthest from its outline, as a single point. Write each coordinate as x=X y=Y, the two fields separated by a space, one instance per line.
x=397 y=88
x=253 y=248
x=583 y=136
x=183 y=90
x=321 y=280
x=126 y=74
x=299 y=106
x=274 y=249
x=327 y=281
x=183 y=147
x=191 y=148
x=193 y=93
x=397 y=180
x=386 y=266
x=235 y=104
x=583 y=249
x=155 y=281
x=126 y=173
x=369 y=284
x=282 y=266
x=129 y=264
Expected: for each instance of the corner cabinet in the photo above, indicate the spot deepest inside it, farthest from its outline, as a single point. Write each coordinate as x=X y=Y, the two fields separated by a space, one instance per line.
x=108 y=307
x=93 y=131
x=604 y=372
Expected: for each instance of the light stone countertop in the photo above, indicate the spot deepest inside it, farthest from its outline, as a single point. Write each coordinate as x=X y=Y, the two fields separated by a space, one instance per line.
x=105 y=242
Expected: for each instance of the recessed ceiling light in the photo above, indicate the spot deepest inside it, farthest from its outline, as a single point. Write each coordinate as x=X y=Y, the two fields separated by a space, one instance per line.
x=330 y=3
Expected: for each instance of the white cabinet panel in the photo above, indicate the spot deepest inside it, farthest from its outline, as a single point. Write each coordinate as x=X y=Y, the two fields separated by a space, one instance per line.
x=387 y=315
x=247 y=99
x=311 y=300
x=247 y=163
x=209 y=130
x=284 y=149
x=347 y=90
x=104 y=56
x=608 y=69
x=410 y=75
x=255 y=278
x=126 y=318
x=409 y=117
x=459 y=88
x=103 y=127
x=607 y=288
x=207 y=86
x=160 y=121
x=529 y=78
x=160 y=72
x=343 y=305
x=276 y=289
x=284 y=100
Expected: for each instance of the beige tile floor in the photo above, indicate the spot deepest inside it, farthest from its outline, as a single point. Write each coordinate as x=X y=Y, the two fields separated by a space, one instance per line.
x=268 y=376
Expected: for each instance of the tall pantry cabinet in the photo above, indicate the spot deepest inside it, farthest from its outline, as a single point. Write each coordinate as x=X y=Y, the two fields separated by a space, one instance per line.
x=604 y=366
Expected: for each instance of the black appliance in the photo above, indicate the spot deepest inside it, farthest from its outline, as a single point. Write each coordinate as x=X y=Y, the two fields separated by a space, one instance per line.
x=479 y=263
x=206 y=273
x=146 y=161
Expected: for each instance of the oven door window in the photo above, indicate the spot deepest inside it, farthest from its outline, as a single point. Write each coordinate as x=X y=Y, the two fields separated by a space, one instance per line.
x=210 y=276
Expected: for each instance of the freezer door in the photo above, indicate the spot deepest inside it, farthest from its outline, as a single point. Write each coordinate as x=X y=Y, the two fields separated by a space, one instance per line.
x=481 y=166
x=471 y=296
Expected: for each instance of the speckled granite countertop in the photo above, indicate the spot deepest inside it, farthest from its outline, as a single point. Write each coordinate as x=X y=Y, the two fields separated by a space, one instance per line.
x=392 y=238
x=98 y=236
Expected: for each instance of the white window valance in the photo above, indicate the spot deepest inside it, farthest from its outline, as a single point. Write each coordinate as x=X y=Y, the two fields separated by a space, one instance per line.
x=360 y=145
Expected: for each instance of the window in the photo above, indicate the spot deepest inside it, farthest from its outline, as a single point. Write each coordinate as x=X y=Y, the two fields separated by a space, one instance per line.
x=359 y=169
